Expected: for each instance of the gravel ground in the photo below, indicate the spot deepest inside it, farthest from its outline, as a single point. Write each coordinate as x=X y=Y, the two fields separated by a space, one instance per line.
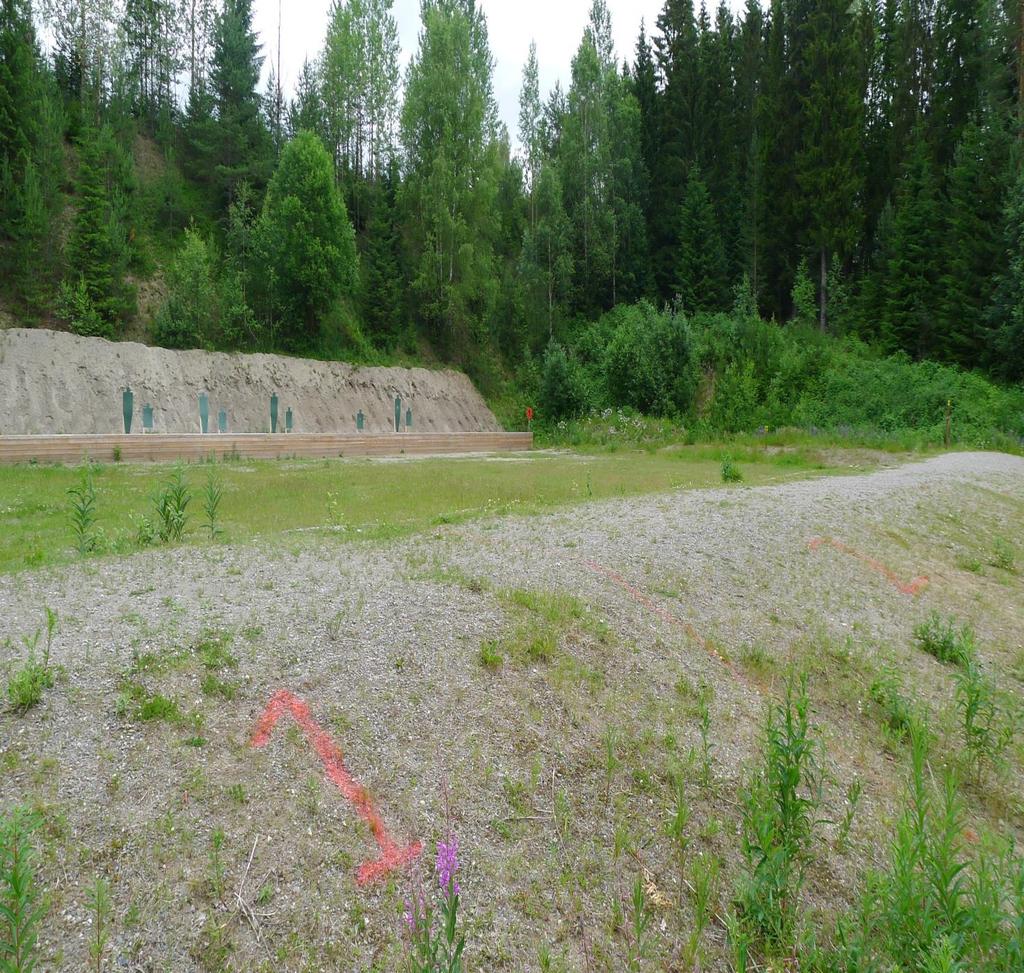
x=383 y=643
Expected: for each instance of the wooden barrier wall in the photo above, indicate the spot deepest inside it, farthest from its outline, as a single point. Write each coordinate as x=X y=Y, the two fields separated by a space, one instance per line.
x=156 y=447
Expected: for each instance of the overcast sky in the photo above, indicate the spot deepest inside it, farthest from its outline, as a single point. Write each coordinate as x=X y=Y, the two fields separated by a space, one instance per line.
x=556 y=26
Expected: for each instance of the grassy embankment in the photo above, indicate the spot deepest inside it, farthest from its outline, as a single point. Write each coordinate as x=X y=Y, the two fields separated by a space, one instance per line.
x=366 y=499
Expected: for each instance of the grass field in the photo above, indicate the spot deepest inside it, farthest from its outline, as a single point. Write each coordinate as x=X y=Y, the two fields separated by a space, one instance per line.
x=369 y=499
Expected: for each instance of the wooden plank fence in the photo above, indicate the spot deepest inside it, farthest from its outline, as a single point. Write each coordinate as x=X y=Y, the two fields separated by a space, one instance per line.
x=159 y=447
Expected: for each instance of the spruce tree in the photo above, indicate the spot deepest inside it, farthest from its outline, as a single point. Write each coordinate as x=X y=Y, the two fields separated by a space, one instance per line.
x=829 y=164
x=240 y=143
x=909 y=283
x=702 y=282
x=305 y=242
x=675 y=43
x=306 y=110
x=96 y=254
x=380 y=268
x=973 y=256
x=1005 y=349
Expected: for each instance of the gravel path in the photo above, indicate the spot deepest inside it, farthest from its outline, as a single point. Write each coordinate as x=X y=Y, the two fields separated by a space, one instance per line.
x=383 y=642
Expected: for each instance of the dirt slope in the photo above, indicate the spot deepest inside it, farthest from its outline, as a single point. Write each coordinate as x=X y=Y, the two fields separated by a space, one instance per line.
x=53 y=382
x=383 y=643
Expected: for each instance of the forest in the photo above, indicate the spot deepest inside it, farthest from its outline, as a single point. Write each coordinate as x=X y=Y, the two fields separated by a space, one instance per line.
x=775 y=199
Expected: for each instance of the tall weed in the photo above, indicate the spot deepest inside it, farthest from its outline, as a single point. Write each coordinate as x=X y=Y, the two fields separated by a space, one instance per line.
x=779 y=817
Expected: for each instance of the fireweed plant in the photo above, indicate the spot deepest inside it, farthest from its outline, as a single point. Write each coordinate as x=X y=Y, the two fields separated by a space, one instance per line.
x=435 y=945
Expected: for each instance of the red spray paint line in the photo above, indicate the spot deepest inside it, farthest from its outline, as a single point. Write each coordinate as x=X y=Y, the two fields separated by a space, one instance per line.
x=665 y=615
x=913 y=587
x=392 y=856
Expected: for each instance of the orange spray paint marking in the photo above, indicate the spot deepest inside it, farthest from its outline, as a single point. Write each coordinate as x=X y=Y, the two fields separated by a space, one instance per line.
x=392 y=856
x=913 y=587
x=665 y=615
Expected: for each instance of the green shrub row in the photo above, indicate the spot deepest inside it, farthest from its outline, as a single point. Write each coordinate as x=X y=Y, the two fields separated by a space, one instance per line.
x=723 y=373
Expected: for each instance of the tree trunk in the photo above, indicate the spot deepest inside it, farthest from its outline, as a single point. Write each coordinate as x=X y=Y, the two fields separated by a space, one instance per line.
x=823 y=298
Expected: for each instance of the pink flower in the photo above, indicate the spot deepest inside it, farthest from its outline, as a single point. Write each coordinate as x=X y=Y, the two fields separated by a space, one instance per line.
x=447 y=865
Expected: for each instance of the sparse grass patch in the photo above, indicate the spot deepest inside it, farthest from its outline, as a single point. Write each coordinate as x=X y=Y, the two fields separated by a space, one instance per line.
x=490 y=656
x=135 y=702
x=898 y=714
x=756 y=660
x=1004 y=555
x=969 y=562
x=25 y=684
x=541 y=620
x=943 y=640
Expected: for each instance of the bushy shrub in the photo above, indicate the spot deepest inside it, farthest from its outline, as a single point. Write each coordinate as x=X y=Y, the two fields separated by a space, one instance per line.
x=563 y=391
x=759 y=373
x=76 y=307
x=190 y=313
x=648 y=362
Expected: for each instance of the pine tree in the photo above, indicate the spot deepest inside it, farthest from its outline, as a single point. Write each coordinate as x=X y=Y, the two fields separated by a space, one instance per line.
x=241 y=147
x=306 y=242
x=973 y=254
x=702 y=282
x=1005 y=352
x=96 y=253
x=381 y=277
x=909 y=281
x=829 y=164
x=306 y=110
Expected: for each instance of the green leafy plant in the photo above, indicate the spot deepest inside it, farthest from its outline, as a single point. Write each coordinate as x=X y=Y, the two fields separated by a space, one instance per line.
x=853 y=795
x=98 y=900
x=171 y=505
x=611 y=761
x=942 y=639
x=987 y=730
x=490 y=656
x=213 y=493
x=703 y=890
x=26 y=683
x=779 y=817
x=437 y=947
x=704 y=693
x=886 y=691
x=937 y=905
x=82 y=512
x=675 y=829
x=1004 y=556
x=731 y=473
x=639 y=944
x=21 y=909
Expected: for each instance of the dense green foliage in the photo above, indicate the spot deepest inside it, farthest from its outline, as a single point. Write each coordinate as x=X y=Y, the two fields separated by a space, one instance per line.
x=849 y=169
x=736 y=372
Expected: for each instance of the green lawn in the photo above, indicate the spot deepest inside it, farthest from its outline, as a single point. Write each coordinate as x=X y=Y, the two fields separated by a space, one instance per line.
x=370 y=498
